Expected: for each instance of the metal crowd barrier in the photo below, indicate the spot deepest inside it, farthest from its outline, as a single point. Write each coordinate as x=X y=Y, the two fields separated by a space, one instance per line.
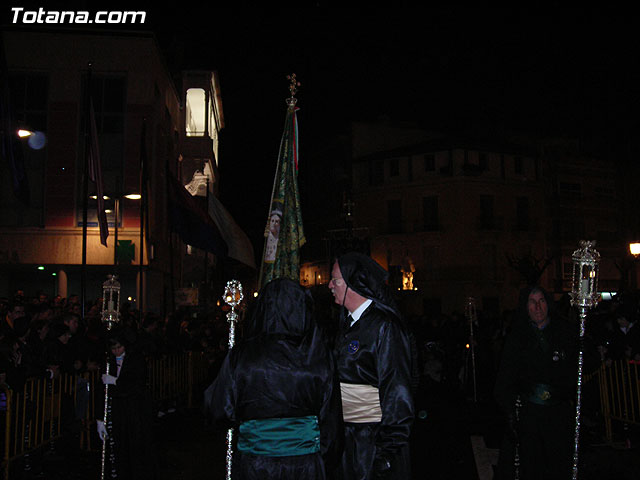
x=32 y=419
x=619 y=394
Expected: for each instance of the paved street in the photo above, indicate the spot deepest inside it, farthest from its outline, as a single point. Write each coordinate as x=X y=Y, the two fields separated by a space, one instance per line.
x=457 y=440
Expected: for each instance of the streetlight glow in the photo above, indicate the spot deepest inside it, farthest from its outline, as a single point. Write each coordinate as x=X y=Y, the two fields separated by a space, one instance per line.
x=22 y=133
x=634 y=248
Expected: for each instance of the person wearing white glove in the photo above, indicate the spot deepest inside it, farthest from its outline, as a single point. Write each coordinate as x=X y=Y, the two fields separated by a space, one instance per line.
x=130 y=422
x=102 y=430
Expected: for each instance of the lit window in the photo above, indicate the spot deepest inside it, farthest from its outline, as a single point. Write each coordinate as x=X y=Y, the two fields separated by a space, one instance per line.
x=407 y=280
x=196 y=112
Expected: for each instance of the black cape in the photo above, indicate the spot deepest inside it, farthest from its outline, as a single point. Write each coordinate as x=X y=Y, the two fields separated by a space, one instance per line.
x=283 y=369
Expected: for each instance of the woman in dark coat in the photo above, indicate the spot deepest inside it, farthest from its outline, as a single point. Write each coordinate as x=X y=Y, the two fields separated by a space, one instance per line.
x=278 y=388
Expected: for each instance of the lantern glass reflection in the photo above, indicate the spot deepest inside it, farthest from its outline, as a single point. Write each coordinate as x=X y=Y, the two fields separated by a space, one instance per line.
x=585 y=275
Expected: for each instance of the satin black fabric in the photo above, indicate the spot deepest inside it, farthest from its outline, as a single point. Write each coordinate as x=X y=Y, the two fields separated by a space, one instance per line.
x=376 y=351
x=282 y=370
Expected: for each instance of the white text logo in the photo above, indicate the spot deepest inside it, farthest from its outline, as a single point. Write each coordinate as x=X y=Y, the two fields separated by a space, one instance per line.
x=67 y=17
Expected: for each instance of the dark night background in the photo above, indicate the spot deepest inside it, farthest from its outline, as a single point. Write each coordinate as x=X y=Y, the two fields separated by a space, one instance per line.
x=571 y=72
x=566 y=72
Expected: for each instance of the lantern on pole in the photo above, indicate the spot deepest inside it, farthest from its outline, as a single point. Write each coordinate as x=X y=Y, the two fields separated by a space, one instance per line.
x=110 y=317
x=233 y=297
x=584 y=295
x=111 y=301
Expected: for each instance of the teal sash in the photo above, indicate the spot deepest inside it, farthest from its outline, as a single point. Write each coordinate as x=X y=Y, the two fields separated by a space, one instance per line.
x=280 y=437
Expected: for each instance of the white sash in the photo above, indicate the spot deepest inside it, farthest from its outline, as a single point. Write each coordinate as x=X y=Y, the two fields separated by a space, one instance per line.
x=360 y=403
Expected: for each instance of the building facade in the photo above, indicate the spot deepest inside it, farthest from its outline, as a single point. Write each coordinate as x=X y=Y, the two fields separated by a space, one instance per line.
x=141 y=122
x=455 y=217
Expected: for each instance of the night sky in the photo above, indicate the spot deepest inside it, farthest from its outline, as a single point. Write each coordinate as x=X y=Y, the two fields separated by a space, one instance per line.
x=559 y=72
x=569 y=72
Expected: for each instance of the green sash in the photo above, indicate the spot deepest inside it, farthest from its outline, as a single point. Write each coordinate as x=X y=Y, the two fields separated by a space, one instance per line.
x=280 y=437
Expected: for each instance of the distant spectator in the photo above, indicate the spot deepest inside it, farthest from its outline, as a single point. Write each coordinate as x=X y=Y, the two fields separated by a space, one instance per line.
x=11 y=362
x=16 y=310
x=147 y=342
x=56 y=356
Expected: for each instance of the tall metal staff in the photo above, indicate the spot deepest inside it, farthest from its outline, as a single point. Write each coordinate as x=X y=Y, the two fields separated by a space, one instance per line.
x=472 y=316
x=110 y=317
x=232 y=297
x=584 y=295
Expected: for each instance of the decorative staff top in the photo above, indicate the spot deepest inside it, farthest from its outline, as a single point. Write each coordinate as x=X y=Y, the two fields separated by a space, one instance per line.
x=111 y=301
x=293 y=89
x=584 y=291
x=233 y=297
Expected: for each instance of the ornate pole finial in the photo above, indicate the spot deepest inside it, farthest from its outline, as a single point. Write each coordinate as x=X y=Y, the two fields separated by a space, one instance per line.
x=233 y=297
x=293 y=89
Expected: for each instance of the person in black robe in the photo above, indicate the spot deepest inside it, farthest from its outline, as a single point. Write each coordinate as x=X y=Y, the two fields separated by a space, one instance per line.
x=131 y=418
x=535 y=387
x=278 y=389
x=374 y=356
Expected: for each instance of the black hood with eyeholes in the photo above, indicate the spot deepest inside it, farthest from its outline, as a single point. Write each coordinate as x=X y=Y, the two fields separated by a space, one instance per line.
x=368 y=279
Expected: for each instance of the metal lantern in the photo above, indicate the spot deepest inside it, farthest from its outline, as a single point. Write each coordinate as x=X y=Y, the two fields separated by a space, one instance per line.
x=111 y=301
x=233 y=297
x=584 y=295
x=584 y=291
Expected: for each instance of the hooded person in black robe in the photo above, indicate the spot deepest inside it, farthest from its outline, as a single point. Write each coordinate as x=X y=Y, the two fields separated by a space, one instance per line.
x=373 y=352
x=278 y=389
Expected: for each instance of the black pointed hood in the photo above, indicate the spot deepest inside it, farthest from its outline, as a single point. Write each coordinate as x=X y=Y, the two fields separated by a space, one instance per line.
x=368 y=279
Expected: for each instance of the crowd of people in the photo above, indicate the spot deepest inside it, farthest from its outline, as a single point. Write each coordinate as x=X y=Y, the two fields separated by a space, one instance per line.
x=44 y=337
x=389 y=369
